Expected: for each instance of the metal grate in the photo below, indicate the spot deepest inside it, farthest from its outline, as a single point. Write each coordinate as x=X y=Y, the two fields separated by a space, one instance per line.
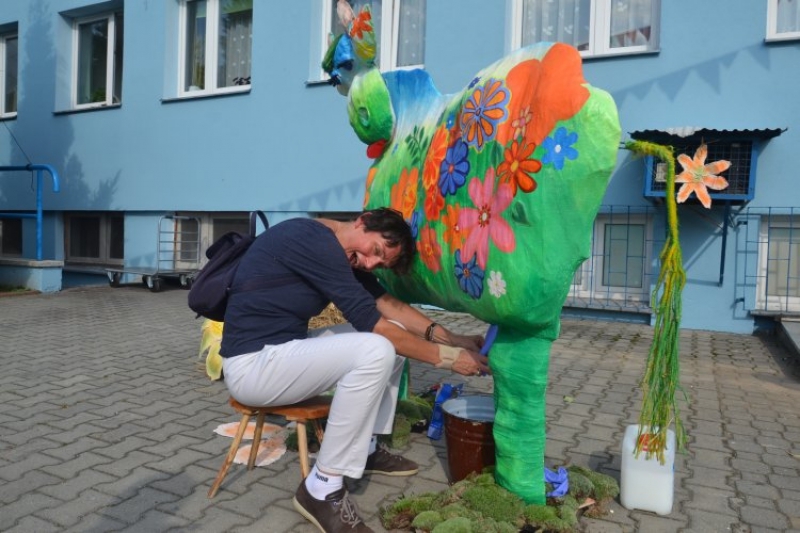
x=623 y=265
x=770 y=258
x=739 y=153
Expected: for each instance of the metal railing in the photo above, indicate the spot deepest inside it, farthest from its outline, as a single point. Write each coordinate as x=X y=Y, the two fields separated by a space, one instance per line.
x=38 y=169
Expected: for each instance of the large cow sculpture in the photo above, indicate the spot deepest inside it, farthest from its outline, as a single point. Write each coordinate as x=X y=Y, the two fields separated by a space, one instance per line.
x=501 y=183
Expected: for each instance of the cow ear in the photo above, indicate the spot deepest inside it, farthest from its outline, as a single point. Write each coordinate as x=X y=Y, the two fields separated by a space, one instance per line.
x=362 y=32
x=345 y=13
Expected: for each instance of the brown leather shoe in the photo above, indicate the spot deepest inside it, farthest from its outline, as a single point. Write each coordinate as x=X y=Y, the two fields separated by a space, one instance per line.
x=388 y=464
x=335 y=514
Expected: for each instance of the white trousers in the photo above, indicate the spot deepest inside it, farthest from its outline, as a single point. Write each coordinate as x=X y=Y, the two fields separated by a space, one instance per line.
x=363 y=367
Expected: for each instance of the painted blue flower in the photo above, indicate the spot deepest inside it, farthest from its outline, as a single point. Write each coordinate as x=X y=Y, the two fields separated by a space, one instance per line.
x=474 y=82
x=559 y=147
x=470 y=275
x=453 y=172
x=451 y=119
x=416 y=217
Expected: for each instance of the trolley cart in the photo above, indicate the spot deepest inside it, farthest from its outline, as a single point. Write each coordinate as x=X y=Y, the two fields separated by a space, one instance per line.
x=177 y=255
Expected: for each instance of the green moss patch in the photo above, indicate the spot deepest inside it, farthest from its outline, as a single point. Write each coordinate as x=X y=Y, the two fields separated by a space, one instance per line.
x=478 y=505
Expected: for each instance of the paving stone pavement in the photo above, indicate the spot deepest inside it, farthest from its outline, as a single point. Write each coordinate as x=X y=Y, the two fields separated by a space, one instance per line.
x=106 y=424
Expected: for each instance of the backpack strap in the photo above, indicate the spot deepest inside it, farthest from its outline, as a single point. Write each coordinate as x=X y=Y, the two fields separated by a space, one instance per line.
x=254 y=216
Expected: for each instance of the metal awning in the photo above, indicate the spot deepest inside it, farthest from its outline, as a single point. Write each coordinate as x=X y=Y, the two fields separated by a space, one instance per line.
x=696 y=132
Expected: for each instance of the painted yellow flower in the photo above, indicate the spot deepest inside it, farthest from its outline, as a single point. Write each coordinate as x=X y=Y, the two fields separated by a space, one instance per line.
x=698 y=175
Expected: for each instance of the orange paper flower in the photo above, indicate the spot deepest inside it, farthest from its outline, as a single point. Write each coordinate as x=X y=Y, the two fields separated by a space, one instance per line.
x=698 y=176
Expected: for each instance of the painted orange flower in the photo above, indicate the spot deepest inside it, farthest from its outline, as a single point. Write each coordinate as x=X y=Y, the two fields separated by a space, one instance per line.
x=433 y=161
x=429 y=250
x=404 y=193
x=452 y=231
x=517 y=168
x=554 y=88
x=698 y=176
x=370 y=178
x=434 y=203
x=483 y=112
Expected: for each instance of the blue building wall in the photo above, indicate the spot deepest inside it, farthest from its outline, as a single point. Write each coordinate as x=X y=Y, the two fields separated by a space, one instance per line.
x=286 y=147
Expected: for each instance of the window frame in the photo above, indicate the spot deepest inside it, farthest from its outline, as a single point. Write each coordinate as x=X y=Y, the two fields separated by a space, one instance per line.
x=4 y=38
x=599 y=19
x=111 y=53
x=211 y=52
x=772 y=25
x=588 y=283
x=104 y=238
x=388 y=35
x=784 y=303
x=208 y=233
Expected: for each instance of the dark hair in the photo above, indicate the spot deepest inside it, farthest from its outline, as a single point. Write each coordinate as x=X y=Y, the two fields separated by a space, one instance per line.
x=390 y=224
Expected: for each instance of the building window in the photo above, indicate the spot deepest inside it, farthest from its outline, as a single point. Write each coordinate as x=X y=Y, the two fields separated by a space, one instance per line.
x=594 y=27
x=197 y=231
x=617 y=274
x=8 y=74
x=97 y=65
x=779 y=270
x=399 y=31
x=95 y=238
x=11 y=237
x=216 y=46
x=783 y=20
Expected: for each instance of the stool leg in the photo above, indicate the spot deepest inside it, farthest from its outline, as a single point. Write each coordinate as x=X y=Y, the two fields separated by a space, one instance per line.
x=251 y=461
x=229 y=458
x=302 y=448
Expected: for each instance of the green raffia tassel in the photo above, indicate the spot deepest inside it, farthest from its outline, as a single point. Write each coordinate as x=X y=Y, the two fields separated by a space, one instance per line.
x=661 y=379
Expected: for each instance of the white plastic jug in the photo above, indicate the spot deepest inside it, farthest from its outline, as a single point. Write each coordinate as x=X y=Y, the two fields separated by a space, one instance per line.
x=646 y=484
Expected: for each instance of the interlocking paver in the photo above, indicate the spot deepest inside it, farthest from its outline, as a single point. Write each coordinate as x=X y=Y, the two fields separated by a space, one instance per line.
x=121 y=437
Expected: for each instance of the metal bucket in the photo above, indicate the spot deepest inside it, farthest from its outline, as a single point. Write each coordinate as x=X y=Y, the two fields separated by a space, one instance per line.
x=468 y=425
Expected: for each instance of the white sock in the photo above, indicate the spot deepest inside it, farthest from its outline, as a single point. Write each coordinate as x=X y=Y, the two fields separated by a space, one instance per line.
x=373 y=444
x=319 y=485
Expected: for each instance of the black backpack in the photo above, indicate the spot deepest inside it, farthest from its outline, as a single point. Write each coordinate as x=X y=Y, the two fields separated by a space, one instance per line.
x=211 y=287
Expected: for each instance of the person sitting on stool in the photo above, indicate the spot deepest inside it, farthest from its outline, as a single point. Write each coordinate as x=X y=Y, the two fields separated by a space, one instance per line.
x=270 y=357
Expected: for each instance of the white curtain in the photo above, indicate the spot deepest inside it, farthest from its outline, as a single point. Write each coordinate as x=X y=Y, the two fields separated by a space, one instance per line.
x=630 y=23
x=411 y=33
x=235 y=42
x=783 y=271
x=565 y=21
x=788 y=16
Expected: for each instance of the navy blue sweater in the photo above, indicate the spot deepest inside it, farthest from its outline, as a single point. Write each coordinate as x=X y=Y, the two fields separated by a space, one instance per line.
x=307 y=269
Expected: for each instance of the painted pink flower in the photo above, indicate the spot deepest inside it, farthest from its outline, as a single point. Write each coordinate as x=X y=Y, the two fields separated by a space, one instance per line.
x=484 y=221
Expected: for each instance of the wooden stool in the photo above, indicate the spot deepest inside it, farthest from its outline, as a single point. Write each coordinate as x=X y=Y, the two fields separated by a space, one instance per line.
x=311 y=410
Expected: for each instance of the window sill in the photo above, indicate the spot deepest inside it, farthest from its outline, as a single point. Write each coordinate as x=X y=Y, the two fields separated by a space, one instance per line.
x=94 y=268
x=203 y=96
x=86 y=110
x=792 y=38
x=621 y=54
x=22 y=262
x=317 y=83
x=10 y=116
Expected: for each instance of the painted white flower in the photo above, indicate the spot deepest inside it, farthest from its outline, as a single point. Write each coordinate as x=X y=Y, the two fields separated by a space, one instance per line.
x=497 y=285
